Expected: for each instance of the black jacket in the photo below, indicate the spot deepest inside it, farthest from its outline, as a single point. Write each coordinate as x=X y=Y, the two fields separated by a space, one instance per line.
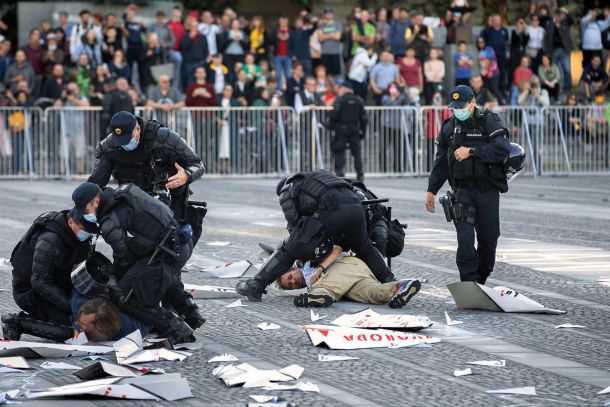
x=493 y=152
x=44 y=258
x=158 y=152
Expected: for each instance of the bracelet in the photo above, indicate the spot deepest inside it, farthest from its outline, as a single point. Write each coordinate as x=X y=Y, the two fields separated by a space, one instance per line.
x=322 y=267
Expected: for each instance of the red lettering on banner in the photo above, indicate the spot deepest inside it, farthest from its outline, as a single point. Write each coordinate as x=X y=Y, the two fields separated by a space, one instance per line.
x=389 y=337
x=348 y=338
x=375 y=336
x=361 y=337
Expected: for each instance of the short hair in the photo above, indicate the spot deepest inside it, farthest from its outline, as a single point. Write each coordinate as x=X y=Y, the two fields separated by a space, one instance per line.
x=84 y=11
x=462 y=42
x=106 y=320
x=160 y=13
x=63 y=13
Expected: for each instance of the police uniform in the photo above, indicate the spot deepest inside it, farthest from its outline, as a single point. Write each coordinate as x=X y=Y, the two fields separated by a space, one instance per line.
x=142 y=234
x=317 y=206
x=154 y=158
x=349 y=120
x=42 y=262
x=477 y=182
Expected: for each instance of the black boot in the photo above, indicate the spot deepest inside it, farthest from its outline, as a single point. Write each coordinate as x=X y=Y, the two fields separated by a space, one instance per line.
x=190 y=311
x=251 y=289
x=276 y=265
x=10 y=327
x=24 y=324
x=166 y=322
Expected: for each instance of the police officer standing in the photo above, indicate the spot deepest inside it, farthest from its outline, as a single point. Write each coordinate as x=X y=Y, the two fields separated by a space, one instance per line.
x=42 y=262
x=472 y=148
x=349 y=120
x=142 y=152
x=317 y=206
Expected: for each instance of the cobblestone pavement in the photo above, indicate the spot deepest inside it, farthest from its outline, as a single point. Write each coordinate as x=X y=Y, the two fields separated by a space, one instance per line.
x=555 y=247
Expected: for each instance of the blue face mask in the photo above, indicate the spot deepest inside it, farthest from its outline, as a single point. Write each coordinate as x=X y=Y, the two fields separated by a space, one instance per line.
x=83 y=235
x=89 y=217
x=133 y=143
x=461 y=114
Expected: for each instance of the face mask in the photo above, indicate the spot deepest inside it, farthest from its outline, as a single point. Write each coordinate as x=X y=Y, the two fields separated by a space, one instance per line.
x=393 y=91
x=133 y=143
x=461 y=114
x=52 y=47
x=437 y=100
x=83 y=235
x=89 y=217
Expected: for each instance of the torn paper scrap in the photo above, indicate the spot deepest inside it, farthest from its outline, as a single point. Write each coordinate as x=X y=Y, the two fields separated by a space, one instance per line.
x=263 y=398
x=206 y=292
x=4 y=369
x=6 y=397
x=315 y=316
x=218 y=243
x=58 y=366
x=472 y=295
x=465 y=372
x=605 y=391
x=16 y=362
x=130 y=350
x=265 y=326
x=294 y=371
x=334 y=358
x=355 y=338
x=230 y=270
x=569 y=326
x=167 y=387
x=371 y=319
x=528 y=391
x=31 y=350
x=226 y=357
x=103 y=369
x=93 y=357
x=394 y=345
x=78 y=339
x=450 y=321
x=128 y=345
x=494 y=363
x=303 y=386
x=250 y=376
x=236 y=304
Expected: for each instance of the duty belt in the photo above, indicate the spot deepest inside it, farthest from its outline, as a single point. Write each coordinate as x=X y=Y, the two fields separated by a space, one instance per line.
x=481 y=184
x=330 y=202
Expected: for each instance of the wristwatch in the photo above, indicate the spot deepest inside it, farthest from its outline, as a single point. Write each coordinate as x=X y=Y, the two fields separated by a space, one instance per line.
x=471 y=152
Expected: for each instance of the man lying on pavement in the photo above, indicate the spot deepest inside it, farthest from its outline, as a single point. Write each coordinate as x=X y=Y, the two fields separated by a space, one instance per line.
x=340 y=275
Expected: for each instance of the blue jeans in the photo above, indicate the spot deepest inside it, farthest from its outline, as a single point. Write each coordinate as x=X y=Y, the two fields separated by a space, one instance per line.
x=283 y=68
x=176 y=58
x=561 y=58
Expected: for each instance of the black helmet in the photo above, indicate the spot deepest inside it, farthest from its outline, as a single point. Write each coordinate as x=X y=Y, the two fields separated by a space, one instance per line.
x=515 y=161
x=322 y=250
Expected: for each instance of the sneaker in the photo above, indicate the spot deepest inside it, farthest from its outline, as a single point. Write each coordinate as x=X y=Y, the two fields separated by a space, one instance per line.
x=313 y=300
x=405 y=292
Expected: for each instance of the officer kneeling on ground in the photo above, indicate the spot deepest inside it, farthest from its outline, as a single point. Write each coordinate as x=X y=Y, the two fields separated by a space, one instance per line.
x=472 y=152
x=42 y=262
x=149 y=250
x=153 y=157
x=340 y=275
x=317 y=206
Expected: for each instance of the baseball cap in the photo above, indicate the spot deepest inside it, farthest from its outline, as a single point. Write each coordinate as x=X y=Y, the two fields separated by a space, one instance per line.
x=82 y=195
x=460 y=95
x=122 y=125
x=348 y=85
x=328 y=10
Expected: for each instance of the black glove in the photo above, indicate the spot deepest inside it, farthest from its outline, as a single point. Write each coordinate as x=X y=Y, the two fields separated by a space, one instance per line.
x=107 y=269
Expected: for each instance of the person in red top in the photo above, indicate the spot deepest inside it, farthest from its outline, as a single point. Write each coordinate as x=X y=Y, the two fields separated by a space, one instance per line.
x=33 y=51
x=175 y=24
x=284 y=46
x=523 y=73
x=200 y=93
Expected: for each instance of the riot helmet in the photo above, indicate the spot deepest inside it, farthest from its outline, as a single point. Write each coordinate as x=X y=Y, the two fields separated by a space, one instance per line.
x=515 y=161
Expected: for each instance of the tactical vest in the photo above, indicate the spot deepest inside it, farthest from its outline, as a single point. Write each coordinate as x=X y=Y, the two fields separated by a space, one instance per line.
x=138 y=166
x=22 y=257
x=302 y=194
x=350 y=111
x=471 y=171
x=148 y=219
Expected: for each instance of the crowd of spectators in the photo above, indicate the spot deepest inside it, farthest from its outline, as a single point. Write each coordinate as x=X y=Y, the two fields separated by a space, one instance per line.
x=389 y=55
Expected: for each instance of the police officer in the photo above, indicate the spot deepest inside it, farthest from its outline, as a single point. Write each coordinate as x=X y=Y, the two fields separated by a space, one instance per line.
x=141 y=151
x=317 y=206
x=349 y=120
x=472 y=148
x=42 y=262
x=149 y=250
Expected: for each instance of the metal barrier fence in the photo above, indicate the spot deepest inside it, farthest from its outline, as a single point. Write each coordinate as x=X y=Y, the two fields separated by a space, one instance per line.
x=268 y=141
